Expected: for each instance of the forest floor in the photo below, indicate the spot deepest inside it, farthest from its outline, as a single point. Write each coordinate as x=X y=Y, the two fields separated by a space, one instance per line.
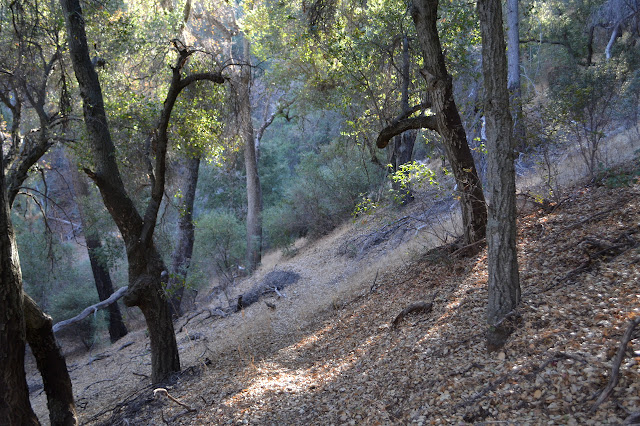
x=334 y=350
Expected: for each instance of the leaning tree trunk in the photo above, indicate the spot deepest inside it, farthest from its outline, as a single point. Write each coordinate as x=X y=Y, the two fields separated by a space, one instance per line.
x=101 y=276
x=51 y=364
x=254 y=191
x=449 y=123
x=145 y=265
x=15 y=408
x=181 y=257
x=147 y=272
x=504 y=282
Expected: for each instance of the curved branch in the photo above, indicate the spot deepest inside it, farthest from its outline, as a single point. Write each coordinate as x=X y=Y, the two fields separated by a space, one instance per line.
x=91 y=309
x=160 y=138
x=398 y=127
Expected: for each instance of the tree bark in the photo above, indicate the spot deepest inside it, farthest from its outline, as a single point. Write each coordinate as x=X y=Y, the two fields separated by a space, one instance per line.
x=254 y=191
x=145 y=264
x=15 y=408
x=101 y=276
x=448 y=121
x=51 y=364
x=514 y=86
x=147 y=272
x=504 y=282
x=181 y=257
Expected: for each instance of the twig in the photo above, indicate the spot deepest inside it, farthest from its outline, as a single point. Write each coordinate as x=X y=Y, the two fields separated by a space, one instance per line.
x=373 y=286
x=468 y=246
x=163 y=391
x=140 y=374
x=617 y=361
x=95 y=383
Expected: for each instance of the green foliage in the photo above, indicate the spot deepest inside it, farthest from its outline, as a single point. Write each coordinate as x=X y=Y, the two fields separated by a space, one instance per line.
x=586 y=101
x=410 y=176
x=621 y=176
x=324 y=192
x=220 y=243
x=70 y=301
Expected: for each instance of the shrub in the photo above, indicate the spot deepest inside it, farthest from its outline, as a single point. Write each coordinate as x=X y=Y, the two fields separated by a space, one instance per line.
x=220 y=245
x=327 y=186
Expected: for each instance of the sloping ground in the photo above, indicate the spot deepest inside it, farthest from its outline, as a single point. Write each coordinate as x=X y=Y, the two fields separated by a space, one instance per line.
x=345 y=362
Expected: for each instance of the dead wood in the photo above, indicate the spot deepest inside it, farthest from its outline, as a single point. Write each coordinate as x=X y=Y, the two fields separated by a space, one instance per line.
x=418 y=307
x=617 y=361
x=469 y=249
x=217 y=311
x=163 y=392
x=632 y=419
x=91 y=309
x=273 y=282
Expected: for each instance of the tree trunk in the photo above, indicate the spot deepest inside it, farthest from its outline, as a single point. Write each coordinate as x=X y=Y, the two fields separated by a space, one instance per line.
x=440 y=91
x=51 y=364
x=181 y=257
x=145 y=265
x=101 y=276
x=504 y=282
x=15 y=408
x=254 y=191
x=513 y=42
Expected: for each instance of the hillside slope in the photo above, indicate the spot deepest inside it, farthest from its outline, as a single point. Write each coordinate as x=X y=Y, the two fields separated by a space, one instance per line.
x=345 y=362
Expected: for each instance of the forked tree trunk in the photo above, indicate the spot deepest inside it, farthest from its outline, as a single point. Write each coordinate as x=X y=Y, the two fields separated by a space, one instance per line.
x=448 y=122
x=145 y=265
x=51 y=364
x=181 y=257
x=15 y=408
x=504 y=281
x=147 y=272
x=101 y=276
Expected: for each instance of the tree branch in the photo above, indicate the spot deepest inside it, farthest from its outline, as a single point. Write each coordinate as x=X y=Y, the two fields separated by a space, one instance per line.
x=91 y=309
x=396 y=128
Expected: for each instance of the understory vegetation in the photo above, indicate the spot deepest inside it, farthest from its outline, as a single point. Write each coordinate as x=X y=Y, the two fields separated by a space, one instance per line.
x=330 y=140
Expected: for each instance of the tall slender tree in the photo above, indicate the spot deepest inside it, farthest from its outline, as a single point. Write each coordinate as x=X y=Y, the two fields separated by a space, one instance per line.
x=514 y=85
x=504 y=281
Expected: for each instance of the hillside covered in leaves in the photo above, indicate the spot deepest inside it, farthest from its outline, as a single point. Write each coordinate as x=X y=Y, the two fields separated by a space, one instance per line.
x=360 y=360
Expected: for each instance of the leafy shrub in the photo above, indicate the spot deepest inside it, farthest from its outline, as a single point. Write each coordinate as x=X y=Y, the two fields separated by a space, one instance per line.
x=220 y=245
x=327 y=186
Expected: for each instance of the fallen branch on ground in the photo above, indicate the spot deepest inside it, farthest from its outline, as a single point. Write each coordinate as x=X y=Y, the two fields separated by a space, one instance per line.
x=617 y=361
x=418 y=307
x=91 y=309
x=163 y=391
x=211 y=312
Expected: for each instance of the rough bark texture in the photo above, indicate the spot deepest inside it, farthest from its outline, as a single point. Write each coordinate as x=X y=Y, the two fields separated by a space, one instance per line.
x=513 y=43
x=254 y=191
x=15 y=408
x=504 y=282
x=448 y=122
x=147 y=272
x=145 y=264
x=101 y=276
x=181 y=257
x=51 y=364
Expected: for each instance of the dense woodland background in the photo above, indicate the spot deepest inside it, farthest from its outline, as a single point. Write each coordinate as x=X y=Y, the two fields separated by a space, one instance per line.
x=279 y=138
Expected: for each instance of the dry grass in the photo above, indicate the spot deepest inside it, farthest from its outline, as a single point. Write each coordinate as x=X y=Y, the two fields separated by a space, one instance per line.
x=246 y=360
